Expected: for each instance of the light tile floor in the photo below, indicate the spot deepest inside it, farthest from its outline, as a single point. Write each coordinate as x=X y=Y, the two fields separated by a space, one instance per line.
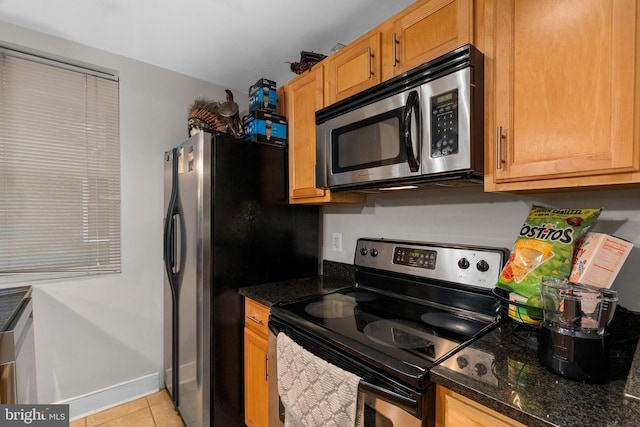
x=154 y=410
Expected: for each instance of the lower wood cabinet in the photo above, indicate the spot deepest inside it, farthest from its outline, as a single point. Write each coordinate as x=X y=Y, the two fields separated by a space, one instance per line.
x=256 y=365
x=454 y=410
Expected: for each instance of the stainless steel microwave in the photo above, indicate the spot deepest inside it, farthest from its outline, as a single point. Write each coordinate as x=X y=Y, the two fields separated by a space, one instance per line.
x=422 y=127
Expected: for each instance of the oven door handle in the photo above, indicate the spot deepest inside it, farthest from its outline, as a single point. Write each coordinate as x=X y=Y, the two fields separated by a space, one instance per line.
x=413 y=106
x=403 y=402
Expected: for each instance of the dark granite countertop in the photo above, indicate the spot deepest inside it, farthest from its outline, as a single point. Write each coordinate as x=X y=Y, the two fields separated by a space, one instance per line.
x=289 y=290
x=335 y=276
x=522 y=389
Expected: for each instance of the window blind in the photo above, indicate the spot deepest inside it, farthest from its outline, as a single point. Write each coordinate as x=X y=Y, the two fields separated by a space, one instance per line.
x=59 y=169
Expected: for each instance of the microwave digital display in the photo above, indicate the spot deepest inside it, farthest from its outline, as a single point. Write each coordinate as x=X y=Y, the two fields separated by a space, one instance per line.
x=444 y=98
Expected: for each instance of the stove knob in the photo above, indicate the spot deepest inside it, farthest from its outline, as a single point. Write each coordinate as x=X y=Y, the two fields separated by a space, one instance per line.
x=463 y=263
x=482 y=265
x=480 y=369
x=374 y=252
x=363 y=251
x=462 y=362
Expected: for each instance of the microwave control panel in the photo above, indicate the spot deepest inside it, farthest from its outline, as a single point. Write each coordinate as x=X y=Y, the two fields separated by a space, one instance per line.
x=444 y=124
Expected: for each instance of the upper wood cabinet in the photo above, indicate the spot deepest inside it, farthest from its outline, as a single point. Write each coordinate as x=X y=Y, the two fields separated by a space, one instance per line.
x=423 y=32
x=354 y=68
x=563 y=112
x=302 y=97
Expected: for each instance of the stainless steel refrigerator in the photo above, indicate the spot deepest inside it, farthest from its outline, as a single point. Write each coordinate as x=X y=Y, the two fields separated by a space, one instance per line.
x=227 y=225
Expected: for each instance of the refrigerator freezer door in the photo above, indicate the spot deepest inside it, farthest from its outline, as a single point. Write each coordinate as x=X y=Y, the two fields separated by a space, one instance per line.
x=193 y=301
x=172 y=270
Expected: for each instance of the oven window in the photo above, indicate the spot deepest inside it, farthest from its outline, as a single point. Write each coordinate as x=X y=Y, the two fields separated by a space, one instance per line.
x=373 y=418
x=378 y=413
x=369 y=143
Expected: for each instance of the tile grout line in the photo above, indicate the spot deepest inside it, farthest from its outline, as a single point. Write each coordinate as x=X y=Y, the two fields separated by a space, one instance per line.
x=153 y=418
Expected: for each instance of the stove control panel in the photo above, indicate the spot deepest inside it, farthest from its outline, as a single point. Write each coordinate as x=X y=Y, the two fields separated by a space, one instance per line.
x=474 y=363
x=420 y=258
x=465 y=264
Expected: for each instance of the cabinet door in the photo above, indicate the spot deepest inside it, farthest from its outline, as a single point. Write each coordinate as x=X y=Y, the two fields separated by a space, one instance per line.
x=304 y=96
x=453 y=410
x=425 y=31
x=354 y=68
x=565 y=92
x=256 y=385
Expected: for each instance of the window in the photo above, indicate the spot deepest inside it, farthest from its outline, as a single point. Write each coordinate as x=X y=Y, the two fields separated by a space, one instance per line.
x=59 y=169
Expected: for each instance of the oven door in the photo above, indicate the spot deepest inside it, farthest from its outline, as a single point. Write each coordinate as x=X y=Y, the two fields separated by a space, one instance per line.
x=375 y=142
x=387 y=403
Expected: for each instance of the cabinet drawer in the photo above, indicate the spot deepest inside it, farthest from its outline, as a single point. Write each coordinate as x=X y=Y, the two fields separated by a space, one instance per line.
x=256 y=317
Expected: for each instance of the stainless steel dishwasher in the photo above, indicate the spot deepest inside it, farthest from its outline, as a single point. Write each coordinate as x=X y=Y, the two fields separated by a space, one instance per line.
x=17 y=347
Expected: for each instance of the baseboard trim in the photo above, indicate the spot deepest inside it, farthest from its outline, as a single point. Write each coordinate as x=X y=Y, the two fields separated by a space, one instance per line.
x=108 y=397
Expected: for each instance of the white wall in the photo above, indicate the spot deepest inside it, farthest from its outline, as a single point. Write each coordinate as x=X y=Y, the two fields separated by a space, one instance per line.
x=94 y=334
x=468 y=215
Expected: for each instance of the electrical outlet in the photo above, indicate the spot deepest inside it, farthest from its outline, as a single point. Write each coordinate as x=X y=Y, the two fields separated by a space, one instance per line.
x=337 y=242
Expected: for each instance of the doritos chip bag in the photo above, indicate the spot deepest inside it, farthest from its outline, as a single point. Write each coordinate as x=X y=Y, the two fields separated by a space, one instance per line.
x=544 y=247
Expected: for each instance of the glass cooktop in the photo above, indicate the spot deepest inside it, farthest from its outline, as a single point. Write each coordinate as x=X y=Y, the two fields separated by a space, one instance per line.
x=401 y=337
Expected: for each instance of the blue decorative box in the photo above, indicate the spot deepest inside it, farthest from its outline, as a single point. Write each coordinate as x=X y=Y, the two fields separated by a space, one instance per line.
x=265 y=126
x=262 y=96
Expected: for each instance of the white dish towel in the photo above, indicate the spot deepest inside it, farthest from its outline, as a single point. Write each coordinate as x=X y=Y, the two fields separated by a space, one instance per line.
x=314 y=392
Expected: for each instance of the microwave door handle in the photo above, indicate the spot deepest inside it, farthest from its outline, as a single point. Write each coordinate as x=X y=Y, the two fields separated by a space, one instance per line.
x=413 y=106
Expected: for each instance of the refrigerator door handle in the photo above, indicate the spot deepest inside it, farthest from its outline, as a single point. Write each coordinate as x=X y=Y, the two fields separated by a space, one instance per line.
x=169 y=226
x=173 y=273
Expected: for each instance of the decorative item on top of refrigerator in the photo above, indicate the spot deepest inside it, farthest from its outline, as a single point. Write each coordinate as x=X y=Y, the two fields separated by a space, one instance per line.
x=262 y=96
x=262 y=124
x=206 y=114
x=266 y=127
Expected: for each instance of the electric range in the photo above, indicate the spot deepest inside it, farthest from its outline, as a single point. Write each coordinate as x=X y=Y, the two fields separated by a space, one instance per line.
x=413 y=305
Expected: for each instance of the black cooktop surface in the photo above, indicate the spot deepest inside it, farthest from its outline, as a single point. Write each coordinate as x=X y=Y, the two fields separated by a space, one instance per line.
x=401 y=337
